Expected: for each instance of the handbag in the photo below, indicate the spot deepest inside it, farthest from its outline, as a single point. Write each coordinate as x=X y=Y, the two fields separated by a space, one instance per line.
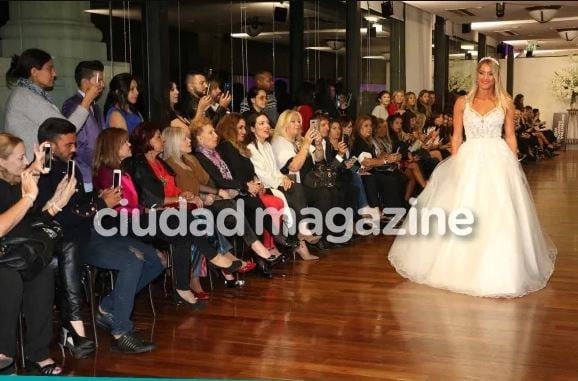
x=320 y=176
x=28 y=247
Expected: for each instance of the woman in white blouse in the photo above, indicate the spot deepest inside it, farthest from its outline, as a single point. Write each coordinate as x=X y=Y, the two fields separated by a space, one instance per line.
x=383 y=100
x=266 y=169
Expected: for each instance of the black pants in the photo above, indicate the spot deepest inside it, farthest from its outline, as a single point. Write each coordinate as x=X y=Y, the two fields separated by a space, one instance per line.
x=384 y=190
x=36 y=298
x=296 y=199
x=71 y=294
x=182 y=245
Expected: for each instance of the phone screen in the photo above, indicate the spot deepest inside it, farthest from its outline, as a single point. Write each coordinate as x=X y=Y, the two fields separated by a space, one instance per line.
x=116 y=178
x=47 y=148
x=70 y=169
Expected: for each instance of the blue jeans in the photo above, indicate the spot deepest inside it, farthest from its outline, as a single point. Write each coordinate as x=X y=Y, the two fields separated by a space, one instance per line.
x=362 y=198
x=137 y=264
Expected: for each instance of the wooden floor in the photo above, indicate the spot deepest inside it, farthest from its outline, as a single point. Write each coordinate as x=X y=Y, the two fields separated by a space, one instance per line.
x=351 y=317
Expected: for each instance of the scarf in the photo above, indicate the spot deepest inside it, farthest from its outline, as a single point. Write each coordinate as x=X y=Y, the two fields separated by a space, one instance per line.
x=28 y=84
x=215 y=158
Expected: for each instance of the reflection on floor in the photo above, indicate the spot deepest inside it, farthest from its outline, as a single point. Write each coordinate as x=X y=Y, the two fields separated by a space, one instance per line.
x=349 y=316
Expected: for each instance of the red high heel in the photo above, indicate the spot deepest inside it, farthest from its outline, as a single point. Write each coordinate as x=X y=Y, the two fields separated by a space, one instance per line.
x=202 y=295
x=249 y=266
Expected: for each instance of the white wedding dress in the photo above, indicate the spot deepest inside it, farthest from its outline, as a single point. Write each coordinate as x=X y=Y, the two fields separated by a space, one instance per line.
x=507 y=254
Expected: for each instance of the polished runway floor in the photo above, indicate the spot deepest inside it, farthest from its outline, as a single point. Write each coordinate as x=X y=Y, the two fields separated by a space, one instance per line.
x=349 y=316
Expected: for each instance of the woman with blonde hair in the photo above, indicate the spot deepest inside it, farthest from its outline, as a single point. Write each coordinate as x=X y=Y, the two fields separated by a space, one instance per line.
x=505 y=253
x=396 y=104
x=33 y=294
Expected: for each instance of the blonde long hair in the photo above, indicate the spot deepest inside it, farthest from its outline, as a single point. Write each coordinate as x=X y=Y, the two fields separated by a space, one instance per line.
x=7 y=144
x=502 y=96
x=284 y=121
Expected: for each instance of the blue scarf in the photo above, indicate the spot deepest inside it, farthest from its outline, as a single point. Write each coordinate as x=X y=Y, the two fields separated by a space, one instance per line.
x=28 y=84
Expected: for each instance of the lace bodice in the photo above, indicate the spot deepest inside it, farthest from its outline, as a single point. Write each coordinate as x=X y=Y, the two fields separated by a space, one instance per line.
x=485 y=126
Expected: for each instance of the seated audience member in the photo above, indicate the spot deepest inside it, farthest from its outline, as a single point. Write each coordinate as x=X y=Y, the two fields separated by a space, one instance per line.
x=32 y=294
x=221 y=102
x=233 y=149
x=306 y=104
x=173 y=115
x=396 y=104
x=383 y=100
x=293 y=158
x=76 y=221
x=264 y=81
x=257 y=100
x=120 y=108
x=383 y=189
x=195 y=100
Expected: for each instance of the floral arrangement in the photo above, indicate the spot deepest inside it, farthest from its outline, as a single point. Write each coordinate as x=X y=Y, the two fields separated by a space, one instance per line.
x=459 y=80
x=565 y=84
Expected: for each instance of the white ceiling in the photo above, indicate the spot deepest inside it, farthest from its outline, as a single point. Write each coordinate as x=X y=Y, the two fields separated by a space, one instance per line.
x=516 y=27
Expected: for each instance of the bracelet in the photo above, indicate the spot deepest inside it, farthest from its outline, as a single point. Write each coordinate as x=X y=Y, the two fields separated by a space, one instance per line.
x=29 y=196
x=53 y=204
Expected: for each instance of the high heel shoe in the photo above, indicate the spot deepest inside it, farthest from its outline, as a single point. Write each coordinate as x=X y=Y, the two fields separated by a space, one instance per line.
x=306 y=256
x=179 y=300
x=263 y=268
x=46 y=370
x=79 y=346
x=235 y=266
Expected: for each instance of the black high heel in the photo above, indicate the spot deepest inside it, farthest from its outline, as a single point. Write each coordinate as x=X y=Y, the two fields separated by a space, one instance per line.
x=263 y=268
x=179 y=300
x=236 y=265
x=7 y=366
x=79 y=346
x=46 y=370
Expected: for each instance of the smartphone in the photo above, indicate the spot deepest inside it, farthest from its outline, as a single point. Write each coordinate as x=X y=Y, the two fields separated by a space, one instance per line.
x=116 y=176
x=345 y=139
x=207 y=90
x=97 y=77
x=227 y=87
x=70 y=169
x=314 y=124
x=47 y=164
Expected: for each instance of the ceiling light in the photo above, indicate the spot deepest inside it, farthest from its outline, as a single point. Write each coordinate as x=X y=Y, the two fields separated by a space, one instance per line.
x=335 y=44
x=373 y=19
x=568 y=34
x=543 y=13
x=467 y=46
x=374 y=58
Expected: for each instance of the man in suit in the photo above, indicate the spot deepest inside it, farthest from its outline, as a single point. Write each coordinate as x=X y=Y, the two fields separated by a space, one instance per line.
x=86 y=74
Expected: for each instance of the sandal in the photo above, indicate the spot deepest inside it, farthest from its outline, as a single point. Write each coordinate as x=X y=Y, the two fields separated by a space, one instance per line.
x=47 y=370
x=7 y=366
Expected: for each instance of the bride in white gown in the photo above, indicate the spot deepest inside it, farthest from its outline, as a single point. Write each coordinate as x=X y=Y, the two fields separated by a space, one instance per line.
x=507 y=254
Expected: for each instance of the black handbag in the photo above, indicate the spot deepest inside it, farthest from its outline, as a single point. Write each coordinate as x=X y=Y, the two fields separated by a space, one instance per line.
x=29 y=246
x=320 y=176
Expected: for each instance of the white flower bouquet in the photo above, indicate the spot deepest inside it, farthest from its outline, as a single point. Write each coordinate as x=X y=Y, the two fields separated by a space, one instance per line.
x=565 y=84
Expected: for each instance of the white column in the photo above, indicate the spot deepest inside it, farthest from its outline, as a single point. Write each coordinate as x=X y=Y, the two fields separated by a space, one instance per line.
x=61 y=28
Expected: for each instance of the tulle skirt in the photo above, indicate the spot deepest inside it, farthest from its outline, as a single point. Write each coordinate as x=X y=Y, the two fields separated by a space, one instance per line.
x=506 y=255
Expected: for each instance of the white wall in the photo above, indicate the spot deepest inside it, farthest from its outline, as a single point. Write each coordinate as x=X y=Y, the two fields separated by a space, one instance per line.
x=418 y=52
x=533 y=77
